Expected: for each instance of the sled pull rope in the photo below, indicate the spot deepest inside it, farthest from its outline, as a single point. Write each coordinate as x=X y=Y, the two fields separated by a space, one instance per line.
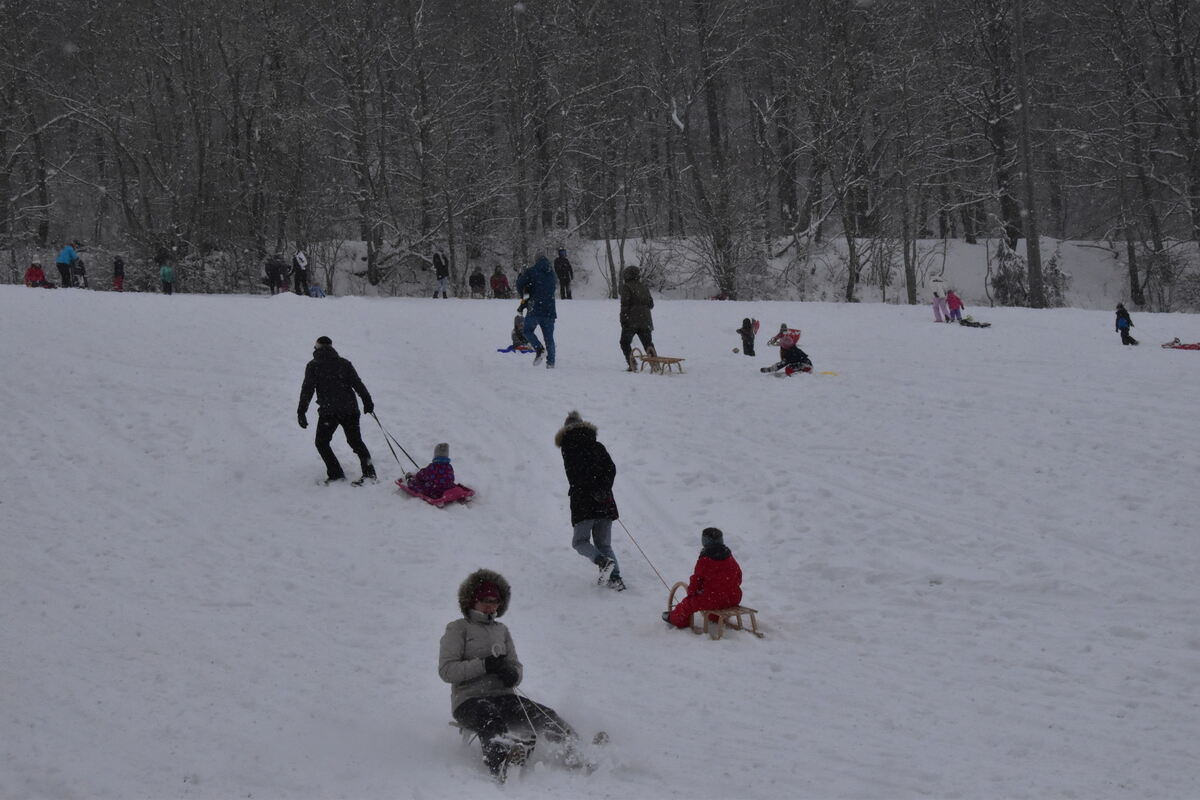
x=387 y=437
x=643 y=552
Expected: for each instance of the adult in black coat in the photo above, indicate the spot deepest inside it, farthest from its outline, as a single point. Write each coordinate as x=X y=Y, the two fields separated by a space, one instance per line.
x=590 y=473
x=562 y=269
x=335 y=382
x=441 y=270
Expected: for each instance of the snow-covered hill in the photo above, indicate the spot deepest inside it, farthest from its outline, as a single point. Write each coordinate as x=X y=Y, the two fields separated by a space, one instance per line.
x=974 y=552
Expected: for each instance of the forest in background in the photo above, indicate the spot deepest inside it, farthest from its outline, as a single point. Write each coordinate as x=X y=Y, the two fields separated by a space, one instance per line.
x=750 y=129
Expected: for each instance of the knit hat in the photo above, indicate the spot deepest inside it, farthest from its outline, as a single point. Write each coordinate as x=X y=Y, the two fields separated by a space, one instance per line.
x=573 y=418
x=324 y=341
x=487 y=590
x=711 y=537
x=441 y=450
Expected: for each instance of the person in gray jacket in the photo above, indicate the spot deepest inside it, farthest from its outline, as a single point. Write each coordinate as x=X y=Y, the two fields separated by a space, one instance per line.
x=479 y=661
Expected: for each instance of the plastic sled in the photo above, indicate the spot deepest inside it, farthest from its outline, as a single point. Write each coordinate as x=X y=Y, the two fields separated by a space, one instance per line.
x=455 y=494
x=514 y=349
x=1178 y=345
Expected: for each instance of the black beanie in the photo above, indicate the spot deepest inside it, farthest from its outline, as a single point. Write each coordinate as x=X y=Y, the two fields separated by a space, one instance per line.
x=324 y=341
x=711 y=537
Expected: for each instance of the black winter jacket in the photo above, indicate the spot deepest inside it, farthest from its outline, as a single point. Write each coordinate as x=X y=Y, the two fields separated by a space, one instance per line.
x=335 y=381
x=636 y=303
x=590 y=472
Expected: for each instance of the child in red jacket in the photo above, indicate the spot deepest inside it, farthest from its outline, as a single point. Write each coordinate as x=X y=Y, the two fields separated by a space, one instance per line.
x=716 y=581
x=435 y=478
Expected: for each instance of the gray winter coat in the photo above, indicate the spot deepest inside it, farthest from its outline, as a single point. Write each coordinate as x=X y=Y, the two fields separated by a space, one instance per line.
x=468 y=641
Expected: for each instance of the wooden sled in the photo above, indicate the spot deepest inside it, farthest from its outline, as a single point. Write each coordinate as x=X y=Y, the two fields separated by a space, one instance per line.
x=658 y=364
x=731 y=617
x=455 y=494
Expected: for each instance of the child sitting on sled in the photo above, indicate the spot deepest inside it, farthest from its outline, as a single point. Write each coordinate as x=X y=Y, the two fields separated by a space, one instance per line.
x=716 y=581
x=791 y=358
x=434 y=479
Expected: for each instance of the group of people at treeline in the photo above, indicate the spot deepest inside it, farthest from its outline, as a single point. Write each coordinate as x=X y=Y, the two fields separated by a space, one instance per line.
x=72 y=271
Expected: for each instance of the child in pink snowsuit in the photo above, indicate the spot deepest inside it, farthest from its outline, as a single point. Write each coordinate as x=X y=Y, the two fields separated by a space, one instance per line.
x=956 y=306
x=436 y=478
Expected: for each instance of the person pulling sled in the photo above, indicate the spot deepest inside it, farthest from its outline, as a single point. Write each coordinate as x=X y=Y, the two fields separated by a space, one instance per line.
x=478 y=659
x=335 y=382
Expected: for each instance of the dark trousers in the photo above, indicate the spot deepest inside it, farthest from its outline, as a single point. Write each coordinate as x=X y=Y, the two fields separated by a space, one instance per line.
x=495 y=716
x=1126 y=338
x=168 y=287
x=300 y=282
x=64 y=272
x=326 y=425
x=748 y=344
x=564 y=290
x=643 y=335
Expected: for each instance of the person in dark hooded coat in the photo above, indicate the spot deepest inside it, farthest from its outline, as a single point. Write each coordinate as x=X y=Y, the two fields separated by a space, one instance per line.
x=636 y=319
x=478 y=659
x=590 y=473
x=335 y=382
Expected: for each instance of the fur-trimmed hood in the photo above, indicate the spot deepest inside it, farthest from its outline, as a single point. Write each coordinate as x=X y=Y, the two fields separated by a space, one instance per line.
x=587 y=429
x=466 y=591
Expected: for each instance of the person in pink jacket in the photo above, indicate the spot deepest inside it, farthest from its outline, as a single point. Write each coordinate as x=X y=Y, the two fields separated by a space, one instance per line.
x=434 y=479
x=955 y=303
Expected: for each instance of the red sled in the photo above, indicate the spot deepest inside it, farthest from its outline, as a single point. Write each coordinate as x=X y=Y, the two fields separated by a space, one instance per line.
x=1178 y=345
x=455 y=494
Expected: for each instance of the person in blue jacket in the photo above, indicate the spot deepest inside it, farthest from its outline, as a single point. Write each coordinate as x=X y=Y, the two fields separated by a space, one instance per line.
x=66 y=264
x=539 y=284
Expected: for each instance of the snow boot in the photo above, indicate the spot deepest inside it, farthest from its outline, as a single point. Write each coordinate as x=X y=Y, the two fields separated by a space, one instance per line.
x=616 y=584
x=538 y=354
x=607 y=566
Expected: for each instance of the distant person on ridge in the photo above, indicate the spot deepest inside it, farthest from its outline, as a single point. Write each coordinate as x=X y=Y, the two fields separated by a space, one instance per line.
x=335 y=382
x=1124 y=323
x=500 y=288
x=562 y=269
x=477 y=283
x=66 y=264
x=538 y=282
x=441 y=273
x=955 y=304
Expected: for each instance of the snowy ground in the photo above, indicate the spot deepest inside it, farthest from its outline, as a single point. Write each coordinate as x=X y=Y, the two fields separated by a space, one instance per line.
x=974 y=552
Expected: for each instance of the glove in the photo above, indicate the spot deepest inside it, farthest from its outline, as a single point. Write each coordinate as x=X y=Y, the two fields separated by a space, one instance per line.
x=368 y=408
x=302 y=419
x=493 y=664
x=508 y=675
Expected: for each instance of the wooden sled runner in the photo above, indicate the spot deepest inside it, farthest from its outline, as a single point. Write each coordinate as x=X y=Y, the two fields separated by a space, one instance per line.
x=658 y=364
x=726 y=617
x=455 y=494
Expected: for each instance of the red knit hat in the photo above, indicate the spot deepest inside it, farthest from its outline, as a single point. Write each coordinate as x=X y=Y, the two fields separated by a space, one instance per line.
x=487 y=591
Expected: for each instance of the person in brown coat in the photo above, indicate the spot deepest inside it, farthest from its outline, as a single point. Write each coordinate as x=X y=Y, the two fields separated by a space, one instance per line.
x=635 y=318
